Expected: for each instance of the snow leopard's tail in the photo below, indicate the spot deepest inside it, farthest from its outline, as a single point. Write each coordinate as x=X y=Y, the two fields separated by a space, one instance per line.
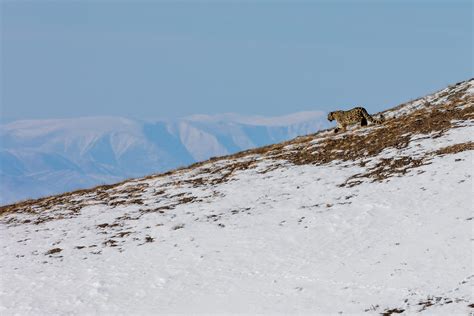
x=371 y=119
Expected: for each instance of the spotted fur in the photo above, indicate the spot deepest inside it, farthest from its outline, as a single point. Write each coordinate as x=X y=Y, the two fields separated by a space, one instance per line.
x=353 y=116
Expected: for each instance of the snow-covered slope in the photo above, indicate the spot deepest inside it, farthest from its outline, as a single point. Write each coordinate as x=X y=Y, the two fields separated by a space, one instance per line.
x=374 y=220
x=44 y=157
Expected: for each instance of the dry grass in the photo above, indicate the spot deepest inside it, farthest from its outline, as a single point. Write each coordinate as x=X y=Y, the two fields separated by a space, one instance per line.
x=454 y=149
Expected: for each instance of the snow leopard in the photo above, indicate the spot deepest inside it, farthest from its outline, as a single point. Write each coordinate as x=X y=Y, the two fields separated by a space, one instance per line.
x=353 y=116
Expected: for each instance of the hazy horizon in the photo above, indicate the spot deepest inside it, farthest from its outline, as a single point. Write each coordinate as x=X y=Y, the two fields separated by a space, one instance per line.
x=4 y=120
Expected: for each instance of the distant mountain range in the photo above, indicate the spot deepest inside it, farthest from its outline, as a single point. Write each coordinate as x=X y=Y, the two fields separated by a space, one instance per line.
x=44 y=157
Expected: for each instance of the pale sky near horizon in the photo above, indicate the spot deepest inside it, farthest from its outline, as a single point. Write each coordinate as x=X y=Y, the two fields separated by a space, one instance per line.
x=163 y=59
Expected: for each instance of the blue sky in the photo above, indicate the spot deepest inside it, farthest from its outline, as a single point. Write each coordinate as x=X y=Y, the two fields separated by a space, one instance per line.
x=165 y=59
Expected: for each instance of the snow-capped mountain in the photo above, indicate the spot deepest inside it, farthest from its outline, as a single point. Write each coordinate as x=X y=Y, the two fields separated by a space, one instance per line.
x=44 y=157
x=375 y=220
